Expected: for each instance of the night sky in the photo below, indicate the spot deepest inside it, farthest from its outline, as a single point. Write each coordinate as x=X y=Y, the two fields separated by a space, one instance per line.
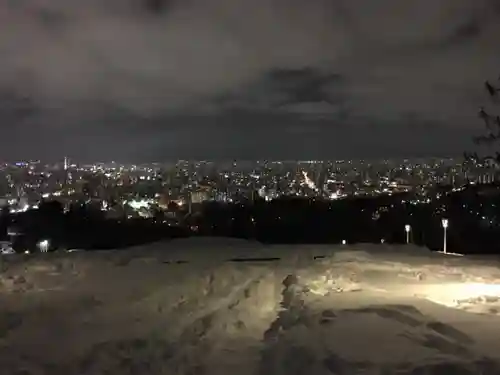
x=151 y=80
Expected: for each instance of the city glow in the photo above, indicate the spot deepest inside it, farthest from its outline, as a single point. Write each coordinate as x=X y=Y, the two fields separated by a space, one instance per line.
x=309 y=182
x=138 y=204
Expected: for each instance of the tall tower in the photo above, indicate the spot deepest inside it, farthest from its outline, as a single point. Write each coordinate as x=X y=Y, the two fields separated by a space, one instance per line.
x=67 y=174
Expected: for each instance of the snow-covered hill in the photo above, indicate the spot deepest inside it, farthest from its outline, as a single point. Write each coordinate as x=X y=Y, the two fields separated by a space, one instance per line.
x=221 y=306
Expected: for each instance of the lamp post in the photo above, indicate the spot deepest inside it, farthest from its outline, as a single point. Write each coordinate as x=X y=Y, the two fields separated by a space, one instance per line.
x=444 y=222
x=407 y=230
x=44 y=246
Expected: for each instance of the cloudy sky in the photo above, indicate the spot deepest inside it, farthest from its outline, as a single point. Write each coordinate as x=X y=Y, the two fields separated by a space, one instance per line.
x=140 y=80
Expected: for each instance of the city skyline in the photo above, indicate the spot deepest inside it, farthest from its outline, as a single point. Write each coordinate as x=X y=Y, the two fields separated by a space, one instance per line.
x=66 y=162
x=156 y=80
x=122 y=192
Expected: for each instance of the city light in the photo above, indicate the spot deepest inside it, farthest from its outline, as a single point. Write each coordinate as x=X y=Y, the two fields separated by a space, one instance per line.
x=444 y=222
x=135 y=192
x=44 y=246
x=407 y=230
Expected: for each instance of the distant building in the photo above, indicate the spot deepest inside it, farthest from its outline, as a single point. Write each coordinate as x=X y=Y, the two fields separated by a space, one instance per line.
x=199 y=197
x=6 y=247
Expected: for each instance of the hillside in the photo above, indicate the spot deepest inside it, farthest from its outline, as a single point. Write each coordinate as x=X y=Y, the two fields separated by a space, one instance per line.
x=220 y=306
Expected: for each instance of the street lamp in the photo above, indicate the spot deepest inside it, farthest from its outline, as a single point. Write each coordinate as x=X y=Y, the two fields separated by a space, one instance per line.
x=444 y=222
x=344 y=242
x=407 y=230
x=44 y=246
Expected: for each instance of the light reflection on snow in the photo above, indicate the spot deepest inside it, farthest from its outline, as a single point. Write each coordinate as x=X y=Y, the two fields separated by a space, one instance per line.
x=457 y=294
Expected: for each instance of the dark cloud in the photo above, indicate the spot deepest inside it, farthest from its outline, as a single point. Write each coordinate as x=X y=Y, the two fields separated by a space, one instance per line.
x=52 y=20
x=303 y=85
x=153 y=72
x=469 y=30
x=156 y=6
x=15 y=108
x=304 y=92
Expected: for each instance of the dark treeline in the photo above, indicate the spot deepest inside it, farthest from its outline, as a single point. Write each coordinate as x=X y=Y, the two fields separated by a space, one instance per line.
x=472 y=215
x=356 y=220
x=80 y=228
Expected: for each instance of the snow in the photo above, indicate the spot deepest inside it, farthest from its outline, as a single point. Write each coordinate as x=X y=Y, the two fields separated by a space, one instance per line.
x=192 y=306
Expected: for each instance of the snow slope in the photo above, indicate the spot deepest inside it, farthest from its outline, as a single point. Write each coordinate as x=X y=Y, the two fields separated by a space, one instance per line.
x=225 y=306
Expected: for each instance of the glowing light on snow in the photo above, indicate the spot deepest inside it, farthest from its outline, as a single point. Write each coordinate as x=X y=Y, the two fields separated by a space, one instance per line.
x=453 y=295
x=448 y=253
x=478 y=289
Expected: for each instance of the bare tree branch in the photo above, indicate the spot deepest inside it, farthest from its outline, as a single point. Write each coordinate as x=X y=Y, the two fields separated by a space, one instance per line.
x=493 y=91
x=492 y=125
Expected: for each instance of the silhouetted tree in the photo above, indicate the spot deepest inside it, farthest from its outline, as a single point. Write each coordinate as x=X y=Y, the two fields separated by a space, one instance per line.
x=81 y=211
x=172 y=206
x=51 y=210
x=491 y=122
x=5 y=220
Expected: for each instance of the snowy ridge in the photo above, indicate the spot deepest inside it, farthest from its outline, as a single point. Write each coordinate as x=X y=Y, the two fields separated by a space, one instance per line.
x=194 y=307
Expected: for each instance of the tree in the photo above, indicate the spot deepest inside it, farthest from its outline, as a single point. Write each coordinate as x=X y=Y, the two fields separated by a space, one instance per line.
x=81 y=211
x=51 y=210
x=172 y=206
x=491 y=120
x=5 y=220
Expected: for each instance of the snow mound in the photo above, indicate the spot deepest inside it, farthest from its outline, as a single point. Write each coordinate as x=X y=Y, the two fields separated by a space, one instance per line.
x=220 y=306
